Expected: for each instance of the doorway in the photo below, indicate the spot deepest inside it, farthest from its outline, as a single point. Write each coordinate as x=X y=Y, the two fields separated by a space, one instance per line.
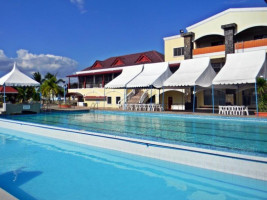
x=169 y=103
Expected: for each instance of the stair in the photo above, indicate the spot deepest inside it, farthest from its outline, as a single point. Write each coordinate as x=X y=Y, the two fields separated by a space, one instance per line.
x=135 y=99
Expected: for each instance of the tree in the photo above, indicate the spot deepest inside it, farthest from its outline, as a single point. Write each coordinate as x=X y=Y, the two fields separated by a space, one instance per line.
x=50 y=86
x=262 y=91
x=38 y=77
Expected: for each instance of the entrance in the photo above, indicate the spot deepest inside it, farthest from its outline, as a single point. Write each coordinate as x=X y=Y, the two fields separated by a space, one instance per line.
x=169 y=103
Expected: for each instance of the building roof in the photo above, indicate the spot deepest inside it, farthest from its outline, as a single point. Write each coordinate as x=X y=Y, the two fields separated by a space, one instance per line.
x=127 y=60
x=8 y=90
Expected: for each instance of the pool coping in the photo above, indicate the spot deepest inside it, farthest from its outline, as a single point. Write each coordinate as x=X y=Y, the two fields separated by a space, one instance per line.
x=252 y=166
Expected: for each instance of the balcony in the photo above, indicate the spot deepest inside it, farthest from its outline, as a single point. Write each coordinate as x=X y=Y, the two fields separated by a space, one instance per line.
x=211 y=49
x=246 y=46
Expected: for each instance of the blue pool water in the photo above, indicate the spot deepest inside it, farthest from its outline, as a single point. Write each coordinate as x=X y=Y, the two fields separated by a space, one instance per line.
x=238 y=135
x=34 y=167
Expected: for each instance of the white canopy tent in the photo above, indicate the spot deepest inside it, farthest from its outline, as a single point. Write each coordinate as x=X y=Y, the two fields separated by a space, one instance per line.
x=17 y=78
x=128 y=74
x=192 y=73
x=241 y=68
x=153 y=75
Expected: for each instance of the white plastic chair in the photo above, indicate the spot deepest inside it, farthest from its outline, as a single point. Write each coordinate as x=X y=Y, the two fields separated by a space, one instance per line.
x=220 y=110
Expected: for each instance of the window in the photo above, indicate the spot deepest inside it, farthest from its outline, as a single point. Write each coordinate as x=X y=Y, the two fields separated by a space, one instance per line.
x=109 y=100
x=178 y=51
x=118 y=99
x=219 y=97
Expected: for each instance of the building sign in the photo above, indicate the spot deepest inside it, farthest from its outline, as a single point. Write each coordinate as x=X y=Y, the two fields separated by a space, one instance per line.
x=26 y=107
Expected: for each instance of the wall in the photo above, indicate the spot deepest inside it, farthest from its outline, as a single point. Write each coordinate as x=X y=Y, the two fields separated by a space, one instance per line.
x=244 y=18
x=113 y=93
x=169 y=44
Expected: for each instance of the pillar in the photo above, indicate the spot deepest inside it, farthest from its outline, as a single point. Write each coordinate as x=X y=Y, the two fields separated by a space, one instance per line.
x=188 y=45
x=229 y=32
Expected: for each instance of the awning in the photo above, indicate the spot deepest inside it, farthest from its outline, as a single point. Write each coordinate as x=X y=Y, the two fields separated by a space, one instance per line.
x=8 y=90
x=128 y=74
x=76 y=94
x=95 y=97
x=17 y=78
x=242 y=68
x=192 y=72
x=153 y=75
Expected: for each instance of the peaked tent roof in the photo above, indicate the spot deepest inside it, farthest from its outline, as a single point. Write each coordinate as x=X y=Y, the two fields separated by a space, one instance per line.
x=192 y=72
x=17 y=78
x=128 y=74
x=242 y=68
x=153 y=75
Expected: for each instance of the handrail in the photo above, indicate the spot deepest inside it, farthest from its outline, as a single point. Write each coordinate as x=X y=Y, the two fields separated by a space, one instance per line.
x=93 y=106
x=144 y=96
x=130 y=95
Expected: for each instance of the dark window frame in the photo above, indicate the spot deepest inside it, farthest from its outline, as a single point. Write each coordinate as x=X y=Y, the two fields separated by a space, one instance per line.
x=179 y=51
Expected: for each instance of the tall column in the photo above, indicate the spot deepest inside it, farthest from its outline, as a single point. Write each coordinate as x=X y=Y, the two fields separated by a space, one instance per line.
x=229 y=32
x=188 y=45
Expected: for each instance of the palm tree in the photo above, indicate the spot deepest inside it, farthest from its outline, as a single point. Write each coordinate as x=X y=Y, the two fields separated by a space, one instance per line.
x=38 y=77
x=50 y=85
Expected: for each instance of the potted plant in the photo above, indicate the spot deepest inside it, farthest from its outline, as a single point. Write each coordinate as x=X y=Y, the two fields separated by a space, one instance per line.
x=262 y=92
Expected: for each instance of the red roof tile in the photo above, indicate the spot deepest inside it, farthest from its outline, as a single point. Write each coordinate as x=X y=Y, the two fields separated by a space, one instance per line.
x=127 y=60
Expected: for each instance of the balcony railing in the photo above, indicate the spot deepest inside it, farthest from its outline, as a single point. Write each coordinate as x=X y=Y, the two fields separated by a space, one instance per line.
x=251 y=44
x=238 y=46
x=211 y=49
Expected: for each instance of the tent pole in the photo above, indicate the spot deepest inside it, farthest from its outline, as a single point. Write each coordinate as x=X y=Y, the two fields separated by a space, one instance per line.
x=194 y=98
x=162 y=98
x=212 y=93
x=151 y=94
x=104 y=96
x=4 y=93
x=256 y=95
x=125 y=99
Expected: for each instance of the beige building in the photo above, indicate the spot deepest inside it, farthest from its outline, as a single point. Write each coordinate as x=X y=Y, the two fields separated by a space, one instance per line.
x=231 y=31
x=90 y=89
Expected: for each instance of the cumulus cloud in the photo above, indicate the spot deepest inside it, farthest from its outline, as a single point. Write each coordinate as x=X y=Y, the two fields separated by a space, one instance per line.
x=43 y=63
x=79 y=4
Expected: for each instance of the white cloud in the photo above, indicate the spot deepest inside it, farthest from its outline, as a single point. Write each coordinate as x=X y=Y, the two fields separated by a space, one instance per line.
x=79 y=4
x=43 y=63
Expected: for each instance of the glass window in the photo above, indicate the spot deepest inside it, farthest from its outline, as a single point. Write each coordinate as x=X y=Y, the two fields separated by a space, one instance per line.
x=109 y=100
x=219 y=97
x=118 y=99
x=178 y=51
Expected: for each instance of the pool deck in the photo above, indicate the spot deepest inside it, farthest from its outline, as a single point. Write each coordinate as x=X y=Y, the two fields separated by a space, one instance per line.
x=4 y=195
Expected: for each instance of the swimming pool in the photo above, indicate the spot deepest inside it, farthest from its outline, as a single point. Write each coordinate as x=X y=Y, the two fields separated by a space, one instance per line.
x=239 y=135
x=34 y=167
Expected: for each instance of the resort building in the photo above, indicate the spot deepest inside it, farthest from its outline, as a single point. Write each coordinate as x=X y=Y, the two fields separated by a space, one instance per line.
x=199 y=54
x=232 y=31
x=92 y=80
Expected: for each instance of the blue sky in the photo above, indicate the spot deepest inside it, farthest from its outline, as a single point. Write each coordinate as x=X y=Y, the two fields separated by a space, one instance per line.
x=48 y=35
